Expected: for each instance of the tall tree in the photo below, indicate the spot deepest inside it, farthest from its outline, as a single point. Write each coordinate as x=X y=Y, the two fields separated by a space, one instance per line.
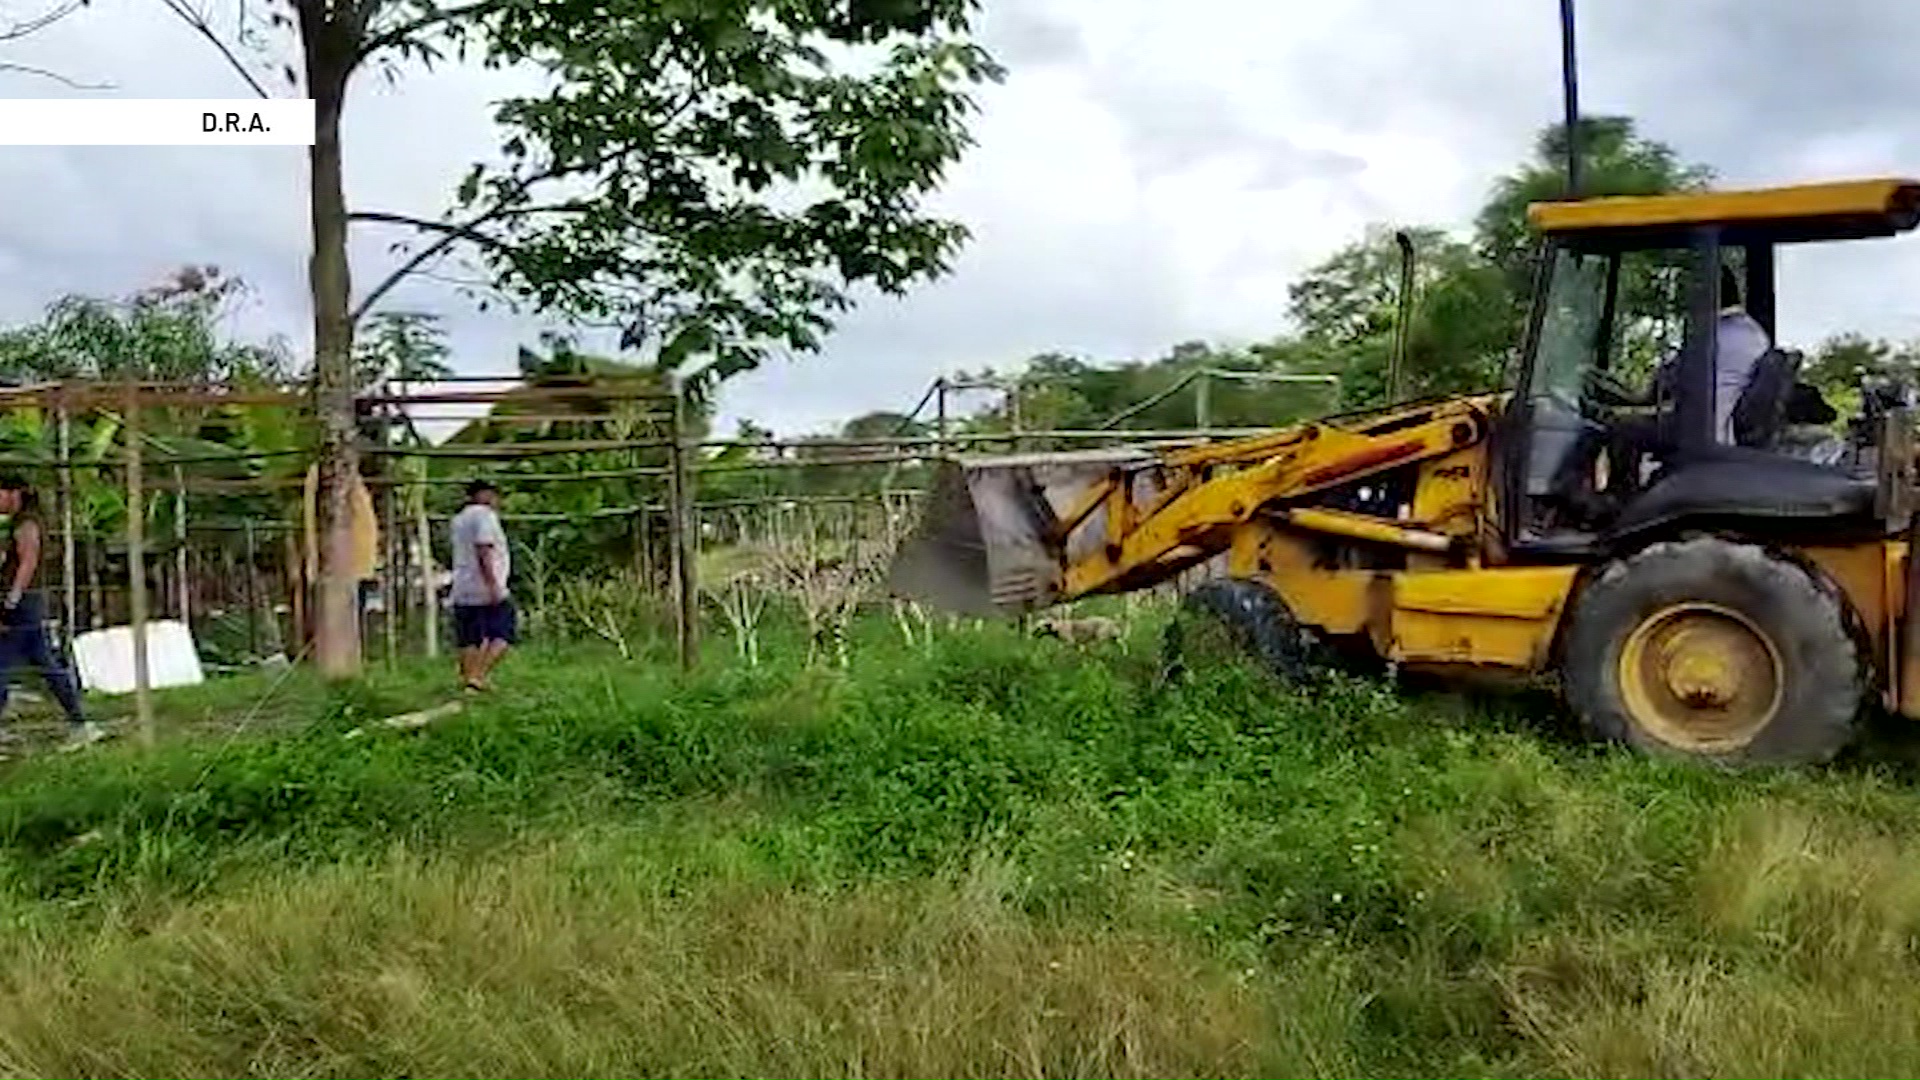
x=717 y=176
x=1351 y=296
x=1472 y=299
x=1839 y=364
x=882 y=425
x=171 y=331
x=1463 y=327
x=1616 y=160
x=402 y=346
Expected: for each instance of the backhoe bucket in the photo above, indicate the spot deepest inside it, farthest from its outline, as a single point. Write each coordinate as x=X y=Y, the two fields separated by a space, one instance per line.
x=988 y=541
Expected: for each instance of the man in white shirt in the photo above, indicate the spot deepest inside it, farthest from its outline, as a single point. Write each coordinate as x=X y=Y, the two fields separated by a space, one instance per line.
x=1739 y=343
x=484 y=623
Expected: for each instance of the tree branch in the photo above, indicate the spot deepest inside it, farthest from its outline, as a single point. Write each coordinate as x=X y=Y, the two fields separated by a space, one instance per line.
x=448 y=228
x=205 y=29
x=449 y=234
x=29 y=69
x=399 y=35
x=39 y=22
x=29 y=27
x=386 y=285
x=445 y=278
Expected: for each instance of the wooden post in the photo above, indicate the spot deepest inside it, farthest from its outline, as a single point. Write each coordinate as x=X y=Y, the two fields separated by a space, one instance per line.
x=293 y=569
x=680 y=526
x=940 y=411
x=647 y=576
x=538 y=551
x=253 y=593
x=182 y=581
x=389 y=544
x=69 y=585
x=1203 y=402
x=636 y=489
x=636 y=531
x=137 y=569
x=96 y=589
x=1013 y=414
x=406 y=597
x=429 y=598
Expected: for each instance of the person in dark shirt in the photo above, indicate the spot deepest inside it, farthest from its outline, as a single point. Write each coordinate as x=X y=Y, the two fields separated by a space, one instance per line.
x=23 y=614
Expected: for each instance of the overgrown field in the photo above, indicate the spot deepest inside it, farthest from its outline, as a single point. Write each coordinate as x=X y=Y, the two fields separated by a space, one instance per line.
x=978 y=855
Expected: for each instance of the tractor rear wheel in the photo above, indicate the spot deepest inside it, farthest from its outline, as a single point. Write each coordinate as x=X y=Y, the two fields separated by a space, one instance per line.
x=1222 y=620
x=1717 y=651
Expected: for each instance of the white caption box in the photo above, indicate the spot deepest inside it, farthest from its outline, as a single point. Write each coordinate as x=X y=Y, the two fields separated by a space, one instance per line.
x=105 y=121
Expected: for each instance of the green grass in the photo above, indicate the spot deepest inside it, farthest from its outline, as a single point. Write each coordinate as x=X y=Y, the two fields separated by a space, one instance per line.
x=989 y=855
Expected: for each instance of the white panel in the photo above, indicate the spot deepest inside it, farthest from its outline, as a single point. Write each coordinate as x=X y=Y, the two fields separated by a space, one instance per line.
x=105 y=657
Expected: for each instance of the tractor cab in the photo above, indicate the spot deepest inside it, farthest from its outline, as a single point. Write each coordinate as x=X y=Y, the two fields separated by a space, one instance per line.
x=1653 y=388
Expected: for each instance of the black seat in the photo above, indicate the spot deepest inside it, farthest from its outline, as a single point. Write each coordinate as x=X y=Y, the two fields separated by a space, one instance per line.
x=1761 y=411
x=1807 y=405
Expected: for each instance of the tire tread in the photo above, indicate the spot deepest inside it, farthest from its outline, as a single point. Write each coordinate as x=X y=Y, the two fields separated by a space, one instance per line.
x=1805 y=613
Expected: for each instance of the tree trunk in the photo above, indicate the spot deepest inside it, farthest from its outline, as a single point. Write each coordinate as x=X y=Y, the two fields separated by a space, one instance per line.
x=329 y=47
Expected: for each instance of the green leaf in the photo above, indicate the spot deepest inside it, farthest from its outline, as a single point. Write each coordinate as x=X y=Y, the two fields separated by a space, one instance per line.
x=675 y=139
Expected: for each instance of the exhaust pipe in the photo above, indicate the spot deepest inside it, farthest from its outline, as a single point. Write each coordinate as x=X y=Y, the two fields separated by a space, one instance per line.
x=1403 y=326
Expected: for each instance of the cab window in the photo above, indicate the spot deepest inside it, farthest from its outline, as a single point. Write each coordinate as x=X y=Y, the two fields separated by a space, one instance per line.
x=1571 y=343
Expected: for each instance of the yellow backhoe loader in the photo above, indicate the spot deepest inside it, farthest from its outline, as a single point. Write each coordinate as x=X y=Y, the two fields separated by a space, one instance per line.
x=1722 y=597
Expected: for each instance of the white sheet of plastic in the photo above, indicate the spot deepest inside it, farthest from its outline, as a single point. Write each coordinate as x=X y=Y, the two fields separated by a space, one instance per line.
x=105 y=657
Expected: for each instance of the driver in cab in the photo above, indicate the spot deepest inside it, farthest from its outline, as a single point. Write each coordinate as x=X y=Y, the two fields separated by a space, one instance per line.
x=1739 y=343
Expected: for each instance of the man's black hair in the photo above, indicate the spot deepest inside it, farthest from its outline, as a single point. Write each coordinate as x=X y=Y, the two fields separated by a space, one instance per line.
x=1729 y=288
x=29 y=498
x=478 y=485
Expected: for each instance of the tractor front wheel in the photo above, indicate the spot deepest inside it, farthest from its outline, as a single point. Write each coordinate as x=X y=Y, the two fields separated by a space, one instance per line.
x=1716 y=651
x=1227 y=619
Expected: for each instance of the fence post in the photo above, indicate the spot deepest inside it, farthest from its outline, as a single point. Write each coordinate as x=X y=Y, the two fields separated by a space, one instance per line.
x=68 y=582
x=637 y=536
x=182 y=586
x=252 y=592
x=1014 y=422
x=429 y=596
x=649 y=581
x=137 y=568
x=680 y=524
x=940 y=412
x=390 y=547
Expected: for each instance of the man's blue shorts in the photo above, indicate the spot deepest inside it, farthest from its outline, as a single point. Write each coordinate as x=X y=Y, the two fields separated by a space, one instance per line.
x=476 y=624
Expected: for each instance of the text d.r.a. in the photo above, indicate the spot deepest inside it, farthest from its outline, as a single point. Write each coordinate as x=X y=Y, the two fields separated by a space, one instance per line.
x=233 y=122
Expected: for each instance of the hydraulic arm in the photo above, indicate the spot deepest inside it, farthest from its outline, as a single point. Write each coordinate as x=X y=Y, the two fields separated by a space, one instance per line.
x=1006 y=534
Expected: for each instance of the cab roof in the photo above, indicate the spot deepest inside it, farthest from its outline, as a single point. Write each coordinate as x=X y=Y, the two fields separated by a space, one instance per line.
x=1846 y=210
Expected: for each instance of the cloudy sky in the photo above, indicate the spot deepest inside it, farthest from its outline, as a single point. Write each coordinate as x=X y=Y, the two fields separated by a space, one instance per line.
x=1150 y=172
